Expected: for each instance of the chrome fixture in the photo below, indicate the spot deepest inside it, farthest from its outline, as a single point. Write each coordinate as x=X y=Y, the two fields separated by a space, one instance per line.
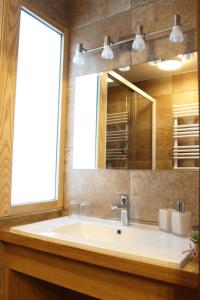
x=176 y=35
x=107 y=52
x=123 y=206
x=138 y=43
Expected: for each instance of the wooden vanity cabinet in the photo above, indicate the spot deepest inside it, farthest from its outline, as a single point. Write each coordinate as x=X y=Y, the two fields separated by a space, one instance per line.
x=36 y=269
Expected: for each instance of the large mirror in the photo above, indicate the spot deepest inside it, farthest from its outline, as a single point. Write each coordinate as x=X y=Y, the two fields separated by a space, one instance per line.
x=138 y=117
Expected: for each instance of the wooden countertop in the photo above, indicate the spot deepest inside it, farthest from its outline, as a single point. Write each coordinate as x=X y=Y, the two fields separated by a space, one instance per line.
x=188 y=276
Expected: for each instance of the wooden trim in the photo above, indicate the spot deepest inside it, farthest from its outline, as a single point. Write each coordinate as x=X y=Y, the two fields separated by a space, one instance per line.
x=9 y=38
x=63 y=121
x=32 y=207
x=1 y=18
x=186 y=277
x=102 y=113
x=8 y=68
x=154 y=135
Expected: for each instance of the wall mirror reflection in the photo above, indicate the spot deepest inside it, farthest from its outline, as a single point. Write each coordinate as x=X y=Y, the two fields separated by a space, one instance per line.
x=138 y=117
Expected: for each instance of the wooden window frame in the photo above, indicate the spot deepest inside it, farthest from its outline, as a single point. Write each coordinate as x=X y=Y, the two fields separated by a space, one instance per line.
x=9 y=39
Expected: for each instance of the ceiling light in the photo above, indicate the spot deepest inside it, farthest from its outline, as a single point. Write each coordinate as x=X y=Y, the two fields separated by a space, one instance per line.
x=138 y=43
x=124 y=69
x=176 y=35
x=78 y=58
x=170 y=65
x=107 y=52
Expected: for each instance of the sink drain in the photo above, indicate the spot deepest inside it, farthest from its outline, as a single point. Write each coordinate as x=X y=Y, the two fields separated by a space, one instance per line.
x=119 y=231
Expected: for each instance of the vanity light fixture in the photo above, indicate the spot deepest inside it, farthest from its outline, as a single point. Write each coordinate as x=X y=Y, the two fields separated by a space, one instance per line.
x=139 y=43
x=78 y=58
x=107 y=52
x=176 y=35
x=170 y=65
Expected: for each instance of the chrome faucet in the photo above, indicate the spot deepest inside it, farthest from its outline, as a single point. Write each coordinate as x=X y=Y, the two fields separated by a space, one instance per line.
x=123 y=206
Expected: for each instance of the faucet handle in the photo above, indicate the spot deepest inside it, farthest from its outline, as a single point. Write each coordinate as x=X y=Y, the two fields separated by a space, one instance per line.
x=124 y=197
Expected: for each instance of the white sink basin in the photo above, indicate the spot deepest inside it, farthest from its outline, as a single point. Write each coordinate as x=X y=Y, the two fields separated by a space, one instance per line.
x=137 y=241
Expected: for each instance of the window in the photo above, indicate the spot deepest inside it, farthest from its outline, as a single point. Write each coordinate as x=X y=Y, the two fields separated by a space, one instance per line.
x=37 y=111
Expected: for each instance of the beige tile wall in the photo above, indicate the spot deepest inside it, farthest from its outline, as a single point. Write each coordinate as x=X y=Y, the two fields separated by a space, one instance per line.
x=90 y=21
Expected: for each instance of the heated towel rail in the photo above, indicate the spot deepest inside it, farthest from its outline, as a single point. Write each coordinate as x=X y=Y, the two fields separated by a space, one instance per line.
x=117 y=138
x=183 y=132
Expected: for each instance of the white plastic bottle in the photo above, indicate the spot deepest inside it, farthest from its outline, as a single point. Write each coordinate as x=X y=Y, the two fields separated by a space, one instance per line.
x=165 y=219
x=181 y=220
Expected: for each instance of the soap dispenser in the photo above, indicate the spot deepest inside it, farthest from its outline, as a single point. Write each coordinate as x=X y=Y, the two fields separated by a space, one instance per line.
x=181 y=220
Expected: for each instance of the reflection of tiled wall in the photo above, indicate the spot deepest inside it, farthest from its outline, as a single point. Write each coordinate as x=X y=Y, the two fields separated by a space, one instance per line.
x=90 y=21
x=148 y=190
x=176 y=89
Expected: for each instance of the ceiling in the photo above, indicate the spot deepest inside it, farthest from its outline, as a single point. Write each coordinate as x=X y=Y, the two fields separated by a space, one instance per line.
x=146 y=71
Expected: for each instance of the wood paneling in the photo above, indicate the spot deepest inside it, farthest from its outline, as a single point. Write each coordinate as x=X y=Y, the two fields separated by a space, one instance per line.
x=21 y=287
x=82 y=277
x=8 y=65
x=30 y=218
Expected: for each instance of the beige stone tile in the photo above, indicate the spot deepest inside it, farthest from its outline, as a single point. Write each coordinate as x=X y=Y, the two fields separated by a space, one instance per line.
x=55 y=10
x=138 y=3
x=164 y=143
x=185 y=97
x=143 y=114
x=185 y=82
x=83 y=12
x=151 y=190
x=92 y=37
x=159 y=46
x=164 y=111
x=157 y=87
x=143 y=165
x=98 y=187
x=164 y=164
x=143 y=144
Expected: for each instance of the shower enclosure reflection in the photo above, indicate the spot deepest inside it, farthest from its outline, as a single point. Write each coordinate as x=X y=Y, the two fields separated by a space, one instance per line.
x=139 y=117
x=130 y=134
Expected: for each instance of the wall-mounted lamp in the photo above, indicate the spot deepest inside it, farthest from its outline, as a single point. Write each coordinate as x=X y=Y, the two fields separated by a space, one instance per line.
x=78 y=58
x=107 y=52
x=138 y=43
x=176 y=35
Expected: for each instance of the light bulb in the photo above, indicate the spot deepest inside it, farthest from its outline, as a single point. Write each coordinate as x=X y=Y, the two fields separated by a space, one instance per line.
x=138 y=43
x=107 y=52
x=176 y=35
x=78 y=58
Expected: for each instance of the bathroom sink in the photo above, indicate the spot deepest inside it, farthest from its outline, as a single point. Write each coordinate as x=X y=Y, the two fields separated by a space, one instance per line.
x=137 y=241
